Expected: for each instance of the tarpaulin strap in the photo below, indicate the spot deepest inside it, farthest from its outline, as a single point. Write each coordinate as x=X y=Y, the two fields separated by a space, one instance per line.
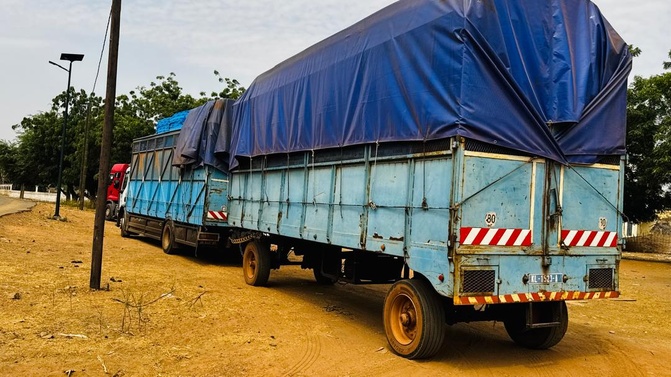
x=314 y=180
x=263 y=177
x=371 y=202
x=425 y=204
x=342 y=178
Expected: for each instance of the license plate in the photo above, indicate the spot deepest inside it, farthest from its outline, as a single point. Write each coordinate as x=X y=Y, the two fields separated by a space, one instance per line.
x=545 y=279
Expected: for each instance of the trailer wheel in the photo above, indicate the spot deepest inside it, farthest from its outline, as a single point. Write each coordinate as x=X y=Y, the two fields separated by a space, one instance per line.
x=168 y=238
x=123 y=224
x=327 y=268
x=414 y=319
x=323 y=279
x=542 y=337
x=109 y=211
x=256 y=263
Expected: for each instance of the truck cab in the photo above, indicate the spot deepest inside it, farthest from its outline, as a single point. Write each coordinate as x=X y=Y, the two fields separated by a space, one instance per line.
x=116 y=178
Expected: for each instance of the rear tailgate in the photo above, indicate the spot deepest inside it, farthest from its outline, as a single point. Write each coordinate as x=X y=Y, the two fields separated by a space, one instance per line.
x=529 y=229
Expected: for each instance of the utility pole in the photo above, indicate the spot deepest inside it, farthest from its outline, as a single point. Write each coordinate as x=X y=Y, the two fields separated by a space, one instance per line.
x=85 y=156
x=106 y=146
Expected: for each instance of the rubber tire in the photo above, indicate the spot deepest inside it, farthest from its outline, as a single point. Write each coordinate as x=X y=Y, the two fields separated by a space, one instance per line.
x=540 y=338
x=109 y=211
x=424 y=335
x=168 y=238
x=123 y=221
x=329 y=260
x=323 y=279
x=256 y=263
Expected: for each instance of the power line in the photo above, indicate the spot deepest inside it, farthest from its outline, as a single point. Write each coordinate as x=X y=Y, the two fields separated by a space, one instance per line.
x=84 y=161
x=102 y=51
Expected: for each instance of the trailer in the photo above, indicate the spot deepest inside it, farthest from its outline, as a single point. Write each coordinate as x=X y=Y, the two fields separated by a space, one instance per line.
x=181 y=204
x=468 y=153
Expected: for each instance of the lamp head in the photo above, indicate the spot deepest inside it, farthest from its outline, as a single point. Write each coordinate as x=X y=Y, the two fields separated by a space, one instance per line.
x=72 y=57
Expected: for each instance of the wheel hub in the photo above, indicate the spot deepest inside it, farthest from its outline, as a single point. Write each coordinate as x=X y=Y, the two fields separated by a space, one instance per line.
x=408 y=318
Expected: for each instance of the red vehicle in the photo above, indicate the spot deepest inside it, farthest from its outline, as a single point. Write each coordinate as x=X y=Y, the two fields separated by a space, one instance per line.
x=117 y=174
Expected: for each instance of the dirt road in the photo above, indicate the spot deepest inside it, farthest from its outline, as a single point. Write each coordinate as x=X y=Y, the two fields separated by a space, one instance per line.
x=10 y=205
x=183 y=316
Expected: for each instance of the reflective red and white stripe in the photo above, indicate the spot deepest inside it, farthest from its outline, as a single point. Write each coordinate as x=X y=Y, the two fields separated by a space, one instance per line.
x=217 y=215
x=496 y=237
x=589 y=238
x=533 y=297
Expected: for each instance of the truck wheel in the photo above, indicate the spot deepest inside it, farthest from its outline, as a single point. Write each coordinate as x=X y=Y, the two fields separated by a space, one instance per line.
x=414 y=319
x=109 y=211
x=123 y=224
x=542 y=337
x=323 y=279
x=168 y=238
x=327 y=268
x=256 y=263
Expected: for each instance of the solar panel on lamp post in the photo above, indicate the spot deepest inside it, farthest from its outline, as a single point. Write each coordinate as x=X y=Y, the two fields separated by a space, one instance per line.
x=71 y=58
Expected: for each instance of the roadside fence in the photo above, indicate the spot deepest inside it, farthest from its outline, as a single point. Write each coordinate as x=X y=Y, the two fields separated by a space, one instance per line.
x=649 y=243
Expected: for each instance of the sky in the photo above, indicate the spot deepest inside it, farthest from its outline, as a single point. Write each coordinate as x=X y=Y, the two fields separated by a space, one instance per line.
x=240 y=39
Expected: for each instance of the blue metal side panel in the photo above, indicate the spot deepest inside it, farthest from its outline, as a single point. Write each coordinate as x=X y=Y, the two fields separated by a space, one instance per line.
x=397 y=205
x=319 y=196
x=272 y=197
x=390 y=188
x=217 y=198
x=548 y=198
x=255 y=192
x=250 y=199
x=294 y=194
x=192 y=196
x=181 y=201
x=158 y=189
x=350 y=196
x=537 y=202
x=236 y=190
x=584 y=205
x=498 y=186
x=433 y=181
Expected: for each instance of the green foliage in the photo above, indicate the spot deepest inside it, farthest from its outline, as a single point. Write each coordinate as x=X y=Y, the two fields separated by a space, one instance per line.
x=648 y=175
x=8 y=162
x=33 y=159
x=161 y=99
x=233 y=90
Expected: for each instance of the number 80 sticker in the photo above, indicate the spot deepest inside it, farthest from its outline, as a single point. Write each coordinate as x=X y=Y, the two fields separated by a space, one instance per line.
x=490 y=219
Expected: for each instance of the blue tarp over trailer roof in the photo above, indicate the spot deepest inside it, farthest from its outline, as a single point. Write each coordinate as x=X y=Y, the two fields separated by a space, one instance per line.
x=546 y=78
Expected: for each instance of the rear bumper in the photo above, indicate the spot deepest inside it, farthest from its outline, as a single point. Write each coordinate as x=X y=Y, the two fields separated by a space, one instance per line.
x=533 y=297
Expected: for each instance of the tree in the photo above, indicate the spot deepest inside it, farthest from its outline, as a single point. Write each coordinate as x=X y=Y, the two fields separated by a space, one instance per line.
x=8 y=172
x=33 y=160
x=39 y=142
x=233 y=90
x=648 y=174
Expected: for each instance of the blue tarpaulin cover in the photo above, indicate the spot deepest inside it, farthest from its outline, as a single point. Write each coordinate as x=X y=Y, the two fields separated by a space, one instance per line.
x=205 y=136
x=543 y=77
x=171 y=123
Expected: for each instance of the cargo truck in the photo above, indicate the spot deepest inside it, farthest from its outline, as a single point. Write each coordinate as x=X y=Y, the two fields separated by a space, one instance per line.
x=183 y=205
x=470 y=154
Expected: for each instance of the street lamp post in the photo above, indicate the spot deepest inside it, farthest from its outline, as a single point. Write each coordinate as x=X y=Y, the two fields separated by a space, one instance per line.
x=71 y=58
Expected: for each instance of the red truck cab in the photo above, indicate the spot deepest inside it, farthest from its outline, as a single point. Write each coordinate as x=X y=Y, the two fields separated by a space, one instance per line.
x=117 y=174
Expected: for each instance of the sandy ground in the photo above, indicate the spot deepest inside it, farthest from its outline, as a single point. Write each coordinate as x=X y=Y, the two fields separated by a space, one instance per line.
x=177 y=315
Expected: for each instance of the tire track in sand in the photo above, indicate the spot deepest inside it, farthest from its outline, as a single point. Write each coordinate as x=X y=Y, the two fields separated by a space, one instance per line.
x=313 y=349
